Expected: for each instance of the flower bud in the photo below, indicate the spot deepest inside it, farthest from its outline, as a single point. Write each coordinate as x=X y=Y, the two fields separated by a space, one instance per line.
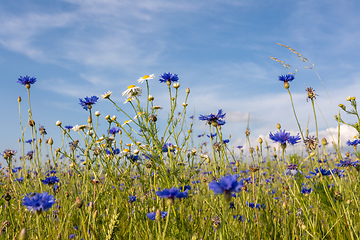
x=107 y=117
x=50 y=141
x=89 y=120
x=188 y=90
x=79 y=203
x=23 y=234
x=348 y=98
x=324 y=141
x=286 y=85
x=97 y=113
x=260 y=140
x=19 y=99
x=58 y=123
x=278 y=126
x=150 y=98
x=158 y=213
x=176 y=85
x=113 y=118
x=31 y=123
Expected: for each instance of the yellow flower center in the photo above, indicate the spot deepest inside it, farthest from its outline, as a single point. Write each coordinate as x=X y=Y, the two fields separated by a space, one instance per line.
x=145 y=76
x=131 y=86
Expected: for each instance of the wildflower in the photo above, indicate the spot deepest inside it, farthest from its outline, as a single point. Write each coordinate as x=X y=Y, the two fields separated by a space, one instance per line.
x=8 y=154
x=286 y=79
x=227 y=185
x=156 y=215
x=26 y=81
x=106 y=95
x=321 y=171
x=172 y=193
x=168 y=78
x=305 y=190
x=283 y=137
x=68 y=127
x=114 y=130
x=77 y=128
x=311 y=143
x=132 y=91
x=29 y=155
x=213 y=119
x=310 y=93
x=87 y=102
x=42 y=130
x=30 y=140
x=258 y=206
x=347 y=163
x=50 y=180
x=353 y=143
x=145 y=78
x=132 y=199
x=38 y=202
x=292 y=169
x=212 y=135
x=113 y=151
x=133 y=157
x=168 y=147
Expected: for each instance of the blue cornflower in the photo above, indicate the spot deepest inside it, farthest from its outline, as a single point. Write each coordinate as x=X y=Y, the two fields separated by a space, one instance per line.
x=71 y=236
x=347 y=163
x=38 y=202
x=113 y=151
x=258 y=206
x=168 y=78
x=87 y=102
x=227 y=185
x=213 y=119
x=26 y=80
x=114 y=130
x=20 y=180
x=225 y=141
x=353 y=143
x=133 y=157
x=292 y=169
x=152 y=215
x=238 y=217
x=51 y=180
x=339 y=173
x=212 y=135
x=132 y=199
x=283 y=137
x=56 y=188
x=172 y=193
x=168 y=147
x=186 y=187
x=322 y=171
x=68 y=127
x=286 y=77
x=30 y=140
x=305 y=190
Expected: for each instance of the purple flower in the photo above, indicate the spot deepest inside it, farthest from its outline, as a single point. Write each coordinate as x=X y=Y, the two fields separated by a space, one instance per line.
x=38 y=202
x=353 y=143
x=305 y=190
x=168 y=77
x=213 y=119
x=152 y=215
x=50 y=180
x=286 y=77
x=172 y=193
x=347 y=163
x=292 y=169
x=322 y=171
x=168 y=147
x=26 y=80
x=114 y=130
x=283 y=137
x=87 y=102
x=227 y=185
x=132 y=199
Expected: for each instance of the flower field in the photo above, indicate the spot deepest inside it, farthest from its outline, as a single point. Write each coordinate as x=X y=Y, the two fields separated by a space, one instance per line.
x=145 y=180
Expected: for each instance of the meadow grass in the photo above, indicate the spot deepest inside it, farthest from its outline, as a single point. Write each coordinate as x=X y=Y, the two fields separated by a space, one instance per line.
x=144 y=180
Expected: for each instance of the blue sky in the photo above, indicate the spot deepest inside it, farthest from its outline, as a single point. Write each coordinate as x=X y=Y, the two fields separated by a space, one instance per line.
x=219 y=48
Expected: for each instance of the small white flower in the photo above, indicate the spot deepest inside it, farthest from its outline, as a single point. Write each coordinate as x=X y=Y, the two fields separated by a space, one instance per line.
x=76 y=128
x=146 y=77
x=126 y=122
x=132 y=91
x=58 y=123
x=106 y=95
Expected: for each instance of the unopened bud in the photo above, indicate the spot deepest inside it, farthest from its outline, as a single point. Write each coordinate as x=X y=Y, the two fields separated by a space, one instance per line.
x=113 y=118
x=324 y=141
x=278 y=126
x=107 y=117
x=97 y=113
x=50 y=141
x=79 y=203
x=176 y=85
x=89 y=120
x=150 y=98
x=31 y=123
x=23 y=234
x=19 y=99
x=260 y=140
x=188 y=90
x=58 y=123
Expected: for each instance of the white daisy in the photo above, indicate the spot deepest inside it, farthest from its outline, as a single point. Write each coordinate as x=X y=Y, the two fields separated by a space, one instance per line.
x=146 y=77
x=132 y=91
